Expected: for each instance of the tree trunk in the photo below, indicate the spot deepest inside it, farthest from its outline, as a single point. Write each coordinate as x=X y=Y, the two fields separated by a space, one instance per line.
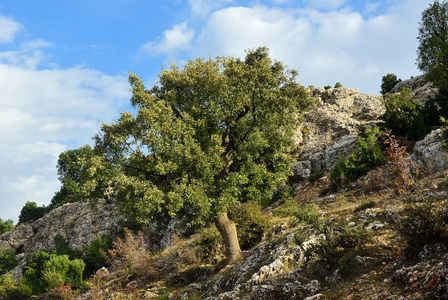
x=228 y=231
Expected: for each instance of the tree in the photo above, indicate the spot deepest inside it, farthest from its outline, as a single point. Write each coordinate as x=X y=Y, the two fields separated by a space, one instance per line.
x=209 y=135
x=71 y=171
x=432 y=53
x=6 y=226
x=31 y=212
x=404 y=116
x=388 y=83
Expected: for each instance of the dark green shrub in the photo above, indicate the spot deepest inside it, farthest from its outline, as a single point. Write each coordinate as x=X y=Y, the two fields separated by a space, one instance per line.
x=6 y=226
x=31 y=212
x=251 y=223
x=388 y=83
x=366 y=156
x=7 y=260
x=46 y=270
x=327 y=87
x=95 y=255
x=404 y=116
x=337 y=85
x=436 y=107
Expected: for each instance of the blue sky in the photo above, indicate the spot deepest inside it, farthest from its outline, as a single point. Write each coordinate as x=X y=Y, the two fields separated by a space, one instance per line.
x=64 y=64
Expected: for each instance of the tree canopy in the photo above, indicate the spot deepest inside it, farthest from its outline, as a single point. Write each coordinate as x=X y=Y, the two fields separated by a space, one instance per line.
x=432 y=53
x=208 y=135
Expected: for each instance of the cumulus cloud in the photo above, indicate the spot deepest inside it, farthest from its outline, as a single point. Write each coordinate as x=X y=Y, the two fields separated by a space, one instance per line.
x=43 y=112
x=327 y=45
x=8 y=29
x=173 y=40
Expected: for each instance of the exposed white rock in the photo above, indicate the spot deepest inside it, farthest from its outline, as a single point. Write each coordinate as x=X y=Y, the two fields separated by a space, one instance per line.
x=429 y=153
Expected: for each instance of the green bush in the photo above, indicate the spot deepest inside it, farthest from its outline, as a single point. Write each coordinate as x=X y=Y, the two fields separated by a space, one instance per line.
x=404 y=116
x=6 y=226
x=337 y=85
x=388 y=83
x=436 y=107
x=251 y=223
x=60 y=269
x=31 y=212
x=327 y=87
x=95 y=255
x=366 y=156
x=11 y=291
x=7 y=260
x=46 y=270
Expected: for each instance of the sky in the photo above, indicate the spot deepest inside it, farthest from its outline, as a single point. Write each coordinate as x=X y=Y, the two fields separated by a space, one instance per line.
x=64 y=64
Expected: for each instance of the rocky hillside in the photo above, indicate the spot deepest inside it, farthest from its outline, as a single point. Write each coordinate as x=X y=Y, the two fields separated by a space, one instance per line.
x=353 y=249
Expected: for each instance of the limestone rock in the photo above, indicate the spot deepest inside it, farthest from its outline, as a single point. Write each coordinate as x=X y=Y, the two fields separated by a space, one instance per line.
x=429 y=153
x=421 y=88
x=331 y=129
x=77 y=222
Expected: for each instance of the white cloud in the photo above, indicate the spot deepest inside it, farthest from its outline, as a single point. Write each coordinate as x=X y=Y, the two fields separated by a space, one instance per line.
x=8 y=29
x=328 y=46
x=173 y=40
x=44 y=112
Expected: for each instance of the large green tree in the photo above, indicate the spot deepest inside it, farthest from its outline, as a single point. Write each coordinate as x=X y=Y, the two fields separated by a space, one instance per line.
x=208 y=135
x=432 y=53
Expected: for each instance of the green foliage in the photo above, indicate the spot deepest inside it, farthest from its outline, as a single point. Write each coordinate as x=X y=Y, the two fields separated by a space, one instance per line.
x=6 y=226
x=334 y=250
x=46 y=270
x=95 y=255
x=11 y=291
x=404 y=116
x=436 y=107
x=211 y=134
x=388 y=82
x=72 y=172
x=209 y=244
x=60 y=269
x=7 y=260
x=432 y=54
x=32 y=271
x=327 y=87
x=424 y=221
x=251 y=223
x=366 y=156
x=31 y=212
x=337 y=85
x=308 y=214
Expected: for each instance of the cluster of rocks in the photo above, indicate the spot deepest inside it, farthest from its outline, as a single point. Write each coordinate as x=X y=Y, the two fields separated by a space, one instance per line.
x=76 y=222
x=331 y=129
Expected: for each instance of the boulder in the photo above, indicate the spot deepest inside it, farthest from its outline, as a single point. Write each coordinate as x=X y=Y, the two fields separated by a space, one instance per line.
x=429 y=153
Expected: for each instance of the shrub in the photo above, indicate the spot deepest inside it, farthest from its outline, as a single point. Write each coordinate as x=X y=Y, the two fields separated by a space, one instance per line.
x=32 y=271
x=7 y=260
x=6 y=226
x=366 y=156
x=210 y=244
x=404 y=116
x=60 y=269
x=133 y=252
x=327 y=87
x=31 y=212
x=251 y=223
x=95 y=255
x=11 y=291
x=308 y=214
x=388 y=83
x=337 y=85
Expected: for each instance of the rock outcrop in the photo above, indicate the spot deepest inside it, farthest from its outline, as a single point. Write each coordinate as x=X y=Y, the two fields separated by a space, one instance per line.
x=77 y=222
x=429 y=153
x=422 y=89
x=331 y=129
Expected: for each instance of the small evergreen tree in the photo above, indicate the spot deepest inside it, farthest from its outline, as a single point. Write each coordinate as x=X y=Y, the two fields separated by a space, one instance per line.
x=388 y=82
x=31 y=212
